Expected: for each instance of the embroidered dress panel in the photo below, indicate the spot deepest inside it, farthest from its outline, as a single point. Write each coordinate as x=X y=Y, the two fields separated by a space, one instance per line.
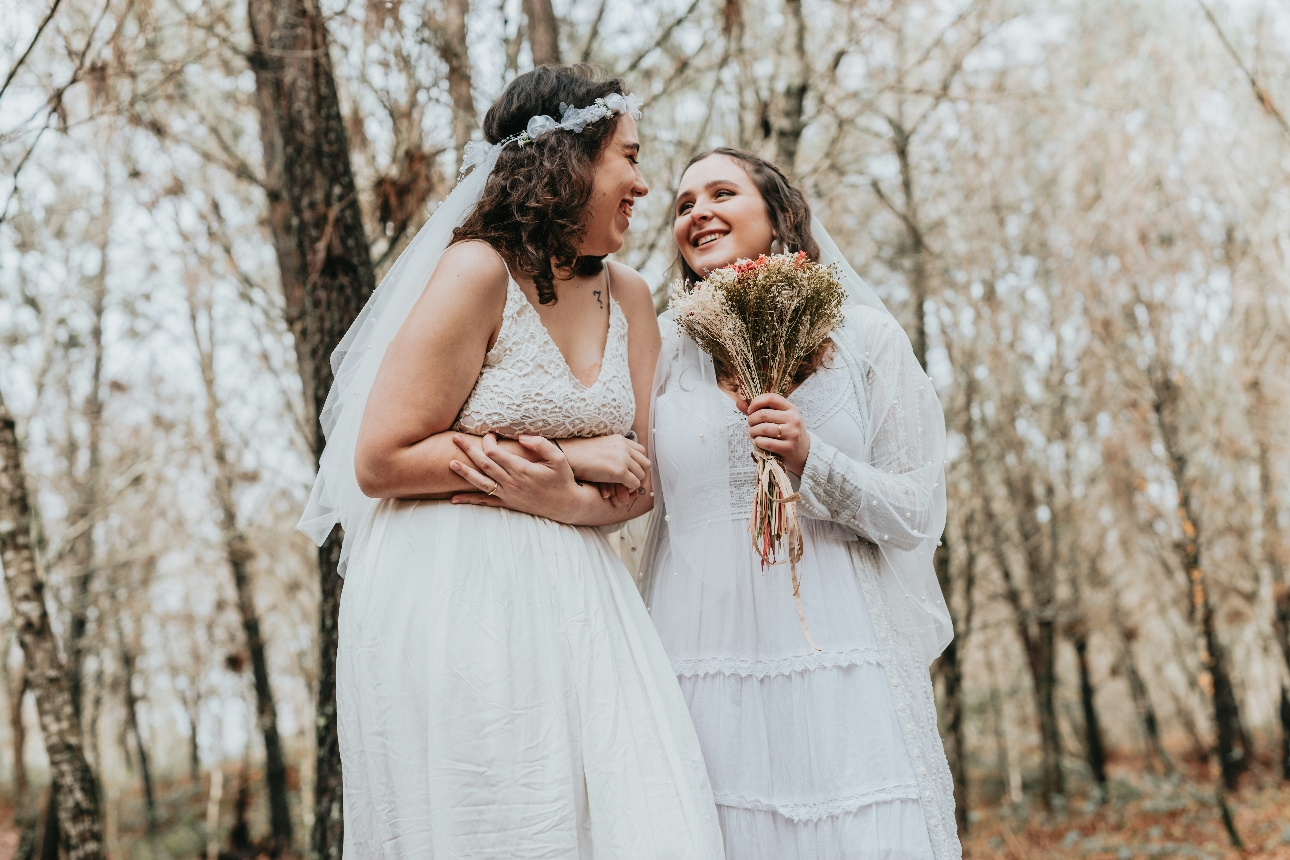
x=526 y=386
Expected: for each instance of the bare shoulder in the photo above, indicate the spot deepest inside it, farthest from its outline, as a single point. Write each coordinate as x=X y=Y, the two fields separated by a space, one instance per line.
x=631 y=291
x=474 y=269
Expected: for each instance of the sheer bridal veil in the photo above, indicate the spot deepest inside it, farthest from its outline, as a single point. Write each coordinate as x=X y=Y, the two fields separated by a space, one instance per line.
x=336 y=498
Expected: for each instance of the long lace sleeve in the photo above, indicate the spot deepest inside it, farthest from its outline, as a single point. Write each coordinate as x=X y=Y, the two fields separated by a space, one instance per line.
x=889 y=500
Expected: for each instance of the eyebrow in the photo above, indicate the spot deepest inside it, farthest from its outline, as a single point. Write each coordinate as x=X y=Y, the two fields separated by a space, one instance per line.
x=632 y=146
x=708 y=186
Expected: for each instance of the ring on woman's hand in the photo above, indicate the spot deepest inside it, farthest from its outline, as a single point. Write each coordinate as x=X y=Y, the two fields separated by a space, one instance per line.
x=493 y=490
x=779 y=430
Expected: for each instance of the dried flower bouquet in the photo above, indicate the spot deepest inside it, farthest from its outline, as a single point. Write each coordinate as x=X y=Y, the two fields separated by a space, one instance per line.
x=761 y=319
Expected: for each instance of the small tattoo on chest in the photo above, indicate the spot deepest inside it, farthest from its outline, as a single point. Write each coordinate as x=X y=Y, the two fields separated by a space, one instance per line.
x=596 y=293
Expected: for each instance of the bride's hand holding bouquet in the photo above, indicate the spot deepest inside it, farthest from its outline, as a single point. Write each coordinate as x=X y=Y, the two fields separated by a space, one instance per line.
x=776 y=427
x=759 y=320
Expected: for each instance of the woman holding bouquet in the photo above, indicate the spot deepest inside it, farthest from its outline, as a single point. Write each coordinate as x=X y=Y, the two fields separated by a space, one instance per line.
x=825 y=748
x=501 y=691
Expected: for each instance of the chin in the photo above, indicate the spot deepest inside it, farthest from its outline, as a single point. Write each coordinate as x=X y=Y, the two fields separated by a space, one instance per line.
x=710 y=264
x=601 y=247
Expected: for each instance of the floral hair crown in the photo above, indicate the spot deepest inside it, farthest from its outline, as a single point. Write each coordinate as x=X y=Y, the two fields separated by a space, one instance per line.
x=571 y=119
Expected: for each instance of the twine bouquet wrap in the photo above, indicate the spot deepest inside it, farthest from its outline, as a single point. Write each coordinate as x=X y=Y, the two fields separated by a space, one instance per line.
x=761 y=319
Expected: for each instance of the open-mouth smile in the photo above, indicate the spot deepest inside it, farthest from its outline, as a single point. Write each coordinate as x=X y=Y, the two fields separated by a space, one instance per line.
x=707 y=238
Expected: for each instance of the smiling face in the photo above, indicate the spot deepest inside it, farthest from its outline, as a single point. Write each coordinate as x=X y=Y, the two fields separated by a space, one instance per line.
x=617 y=185
x=720 y=215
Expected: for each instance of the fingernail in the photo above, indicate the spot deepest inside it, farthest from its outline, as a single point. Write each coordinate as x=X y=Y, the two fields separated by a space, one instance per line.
x=454 y=465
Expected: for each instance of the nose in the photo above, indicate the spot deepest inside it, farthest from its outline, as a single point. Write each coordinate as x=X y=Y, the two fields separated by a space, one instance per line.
x=640 y=188
x=699 y=213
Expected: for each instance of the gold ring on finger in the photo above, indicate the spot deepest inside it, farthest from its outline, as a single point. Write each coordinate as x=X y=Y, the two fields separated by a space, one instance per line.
x=779 y=430
x=493 y=490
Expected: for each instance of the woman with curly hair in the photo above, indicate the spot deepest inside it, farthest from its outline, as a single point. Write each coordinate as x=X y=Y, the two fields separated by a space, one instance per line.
x=501 y=690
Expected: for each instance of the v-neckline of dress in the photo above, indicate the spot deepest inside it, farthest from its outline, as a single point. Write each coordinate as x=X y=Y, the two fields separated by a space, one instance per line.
x=609 y=330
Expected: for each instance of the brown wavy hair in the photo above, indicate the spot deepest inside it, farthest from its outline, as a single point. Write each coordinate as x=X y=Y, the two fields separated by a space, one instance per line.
x=790 y=216
x=536 y=197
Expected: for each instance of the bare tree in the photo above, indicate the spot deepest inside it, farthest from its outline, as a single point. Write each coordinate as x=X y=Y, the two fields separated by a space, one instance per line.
x=77 y=790
x=240 y=554
x=451 y=42
x=544 y=34
x=132 y=719
x=325 y=265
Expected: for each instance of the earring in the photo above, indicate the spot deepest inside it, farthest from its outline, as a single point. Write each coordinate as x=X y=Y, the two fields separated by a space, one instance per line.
x=775 y=246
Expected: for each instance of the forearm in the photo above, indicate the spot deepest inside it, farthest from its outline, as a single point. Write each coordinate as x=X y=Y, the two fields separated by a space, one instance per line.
x=590 y=509
x=422 y=471
x=883 y=507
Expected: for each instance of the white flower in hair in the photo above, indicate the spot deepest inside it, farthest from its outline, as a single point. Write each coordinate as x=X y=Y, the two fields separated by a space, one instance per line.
x=571 y=119
x=619 y=103
x=540 y=125
x=576 y=119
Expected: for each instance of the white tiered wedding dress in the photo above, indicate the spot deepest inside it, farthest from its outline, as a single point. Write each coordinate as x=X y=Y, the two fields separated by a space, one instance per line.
x=813 y=755
x=502 y=692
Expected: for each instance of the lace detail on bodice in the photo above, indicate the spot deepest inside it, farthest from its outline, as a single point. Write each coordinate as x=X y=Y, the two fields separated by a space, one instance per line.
x=526 y=386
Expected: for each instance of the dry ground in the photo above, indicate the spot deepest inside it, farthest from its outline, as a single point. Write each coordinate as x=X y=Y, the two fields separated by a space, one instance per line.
x=1145 y=817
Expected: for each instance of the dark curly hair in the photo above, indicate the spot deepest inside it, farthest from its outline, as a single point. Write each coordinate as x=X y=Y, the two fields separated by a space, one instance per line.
x=534 y=201
x=790 y=216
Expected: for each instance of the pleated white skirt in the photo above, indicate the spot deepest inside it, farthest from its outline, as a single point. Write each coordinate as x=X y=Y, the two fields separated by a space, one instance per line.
x=804 y=748
x=502 y=694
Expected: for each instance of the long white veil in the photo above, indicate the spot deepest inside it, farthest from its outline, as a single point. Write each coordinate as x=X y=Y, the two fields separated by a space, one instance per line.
x=907 y=576
x=698 y=516
x=336 y=498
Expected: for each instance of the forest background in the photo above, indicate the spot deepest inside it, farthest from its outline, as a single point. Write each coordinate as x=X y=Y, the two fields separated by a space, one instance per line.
x=1079 y=210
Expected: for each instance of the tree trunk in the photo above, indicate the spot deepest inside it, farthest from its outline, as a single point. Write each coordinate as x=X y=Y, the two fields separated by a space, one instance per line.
x=18 y=737
x=213 y=798
x=1216 y=677
x=78 y=797
x=916 y=247
x=956 y=736
x=789 y=124
x=1285 y=733
x=452 y=48
x=950 y=668
x=1043 y=667
x=132 y=717
x=329 y=823
x=1037 y=640
x=1093 y=747
x=51 y=835
x=1042 y=648
x=83 y=550
x=1141 y=697
x=544 y=35
x=239 y=553
x=326 y=269
x=1273 y=550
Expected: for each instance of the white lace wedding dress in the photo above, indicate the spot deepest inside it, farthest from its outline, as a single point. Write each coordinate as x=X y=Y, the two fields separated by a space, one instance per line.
x=502 y=692
x=813 y=755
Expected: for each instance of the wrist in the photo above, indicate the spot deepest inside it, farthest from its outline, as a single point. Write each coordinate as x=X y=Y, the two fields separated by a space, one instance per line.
x=565 y=449
x=582 y=506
